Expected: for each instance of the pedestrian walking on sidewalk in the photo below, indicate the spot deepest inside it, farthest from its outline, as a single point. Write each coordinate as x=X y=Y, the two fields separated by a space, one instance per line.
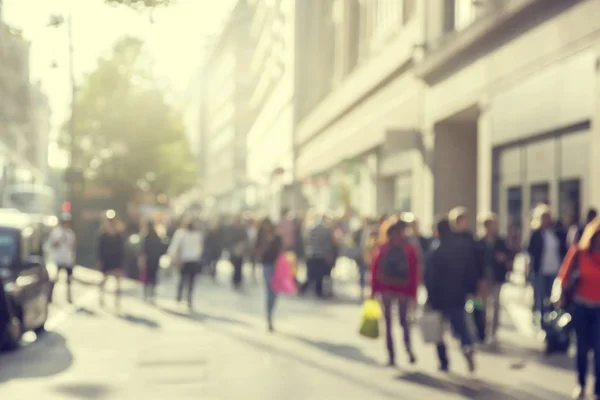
x=153 y=248
x=449 y=281
x=237 y=245
x=320 y=255
x=61 y=247
x=497 y=263
x=579 y=279
x=111 y=254
x=268 y=247
x=395 y=279
x=459 y=221
x=186 y=248
x=547 y=248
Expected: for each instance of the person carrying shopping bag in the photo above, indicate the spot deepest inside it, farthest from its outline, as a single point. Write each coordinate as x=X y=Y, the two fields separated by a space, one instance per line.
x=267 y=250
x=395 y=278
x=449 y=281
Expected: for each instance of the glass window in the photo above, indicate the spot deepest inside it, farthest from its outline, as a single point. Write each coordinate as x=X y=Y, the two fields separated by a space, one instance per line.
x=403 y=193
x=540 y=194
x=515 y=216
x=569 y=202
x=464 y=14
x=8 y=247
x=408 y=9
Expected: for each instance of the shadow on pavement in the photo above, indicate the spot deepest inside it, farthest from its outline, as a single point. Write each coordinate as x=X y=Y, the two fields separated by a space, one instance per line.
x=84 y=391
x=348 y=352
x=381 y=393
x=86 y=311
x=202 y=317
x=140 y=321
x=526 y=356
x=478 y=390
x=47 y=356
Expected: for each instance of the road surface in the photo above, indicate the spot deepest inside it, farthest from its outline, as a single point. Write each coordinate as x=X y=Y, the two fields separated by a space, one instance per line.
x=223 y=351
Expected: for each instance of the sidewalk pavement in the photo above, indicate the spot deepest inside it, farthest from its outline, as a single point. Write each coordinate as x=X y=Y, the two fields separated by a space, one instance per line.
x=516 y=295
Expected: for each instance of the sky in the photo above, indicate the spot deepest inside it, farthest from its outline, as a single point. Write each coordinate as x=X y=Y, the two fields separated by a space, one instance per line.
x=174 y=36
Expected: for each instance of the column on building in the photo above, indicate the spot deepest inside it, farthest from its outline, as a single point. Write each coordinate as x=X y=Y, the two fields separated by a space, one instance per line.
x=427 y=178
x=594 y=168
x=484 y=158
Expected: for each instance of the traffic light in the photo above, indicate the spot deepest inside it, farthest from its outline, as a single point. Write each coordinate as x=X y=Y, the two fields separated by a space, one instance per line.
x=66 y=207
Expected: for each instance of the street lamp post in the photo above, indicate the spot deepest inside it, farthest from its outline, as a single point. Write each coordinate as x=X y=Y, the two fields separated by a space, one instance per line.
x=72 y=175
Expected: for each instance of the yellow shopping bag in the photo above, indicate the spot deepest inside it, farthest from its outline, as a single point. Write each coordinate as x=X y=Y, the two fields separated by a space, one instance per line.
x=371 y=313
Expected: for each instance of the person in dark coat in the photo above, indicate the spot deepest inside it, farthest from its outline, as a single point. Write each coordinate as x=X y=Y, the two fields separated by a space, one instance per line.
x=547 y=249
x=237 y=244
x=449 y=283
x=153 y=249
x=111 y=254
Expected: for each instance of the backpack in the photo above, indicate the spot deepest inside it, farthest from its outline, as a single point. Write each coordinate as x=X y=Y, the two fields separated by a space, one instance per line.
x=394 y=268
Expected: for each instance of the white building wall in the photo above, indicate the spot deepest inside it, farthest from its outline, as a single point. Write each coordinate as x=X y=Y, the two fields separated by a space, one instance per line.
x=542 y=80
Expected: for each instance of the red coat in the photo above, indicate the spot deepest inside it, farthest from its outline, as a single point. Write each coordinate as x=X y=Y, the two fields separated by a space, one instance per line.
x=410 y=289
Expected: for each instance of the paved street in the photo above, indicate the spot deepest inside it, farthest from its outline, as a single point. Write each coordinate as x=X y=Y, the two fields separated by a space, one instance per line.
x=223 y=352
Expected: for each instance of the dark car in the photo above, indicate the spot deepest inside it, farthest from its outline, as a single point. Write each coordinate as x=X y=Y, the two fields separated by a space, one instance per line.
x=25 y=287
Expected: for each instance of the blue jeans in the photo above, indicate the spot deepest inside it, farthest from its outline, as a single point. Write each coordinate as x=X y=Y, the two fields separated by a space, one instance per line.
x=458 y=322
x=268 y=271
x=542 y=289
x=586 y=321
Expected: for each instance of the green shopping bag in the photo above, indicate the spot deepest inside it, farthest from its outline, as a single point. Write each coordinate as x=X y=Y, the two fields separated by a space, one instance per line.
x=371 y=313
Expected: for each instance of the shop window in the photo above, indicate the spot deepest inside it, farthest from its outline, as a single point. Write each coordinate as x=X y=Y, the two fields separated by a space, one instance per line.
x=569 y=202
x=515 y=216
x=540 y=194
x=403 y=193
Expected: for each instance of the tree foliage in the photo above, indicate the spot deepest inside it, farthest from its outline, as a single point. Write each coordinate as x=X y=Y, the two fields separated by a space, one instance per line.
x=139 y=4
x=125 y=131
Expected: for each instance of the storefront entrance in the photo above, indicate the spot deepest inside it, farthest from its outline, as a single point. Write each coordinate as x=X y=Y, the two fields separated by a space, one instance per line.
x=552 y=171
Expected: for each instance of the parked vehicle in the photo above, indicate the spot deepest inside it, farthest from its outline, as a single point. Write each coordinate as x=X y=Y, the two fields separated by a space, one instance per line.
x=25 y=286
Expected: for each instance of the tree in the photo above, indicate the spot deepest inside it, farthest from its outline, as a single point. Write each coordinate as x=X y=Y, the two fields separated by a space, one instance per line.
x=140 y=4
x=124 y=129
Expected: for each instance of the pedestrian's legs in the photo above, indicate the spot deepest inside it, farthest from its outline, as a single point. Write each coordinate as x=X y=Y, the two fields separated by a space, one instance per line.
x=182 y=278
x=536 y=284
x=388 y=301
x=362 y=272
x=69 y=270
x=403 y=311
x=320 y=272
x=443 y=356
x=546 y=282
x=584 y=331
x=596 y=348
x=458 y=322
x=495 y=308
x=191 y=280
x=117 y=275
x=268 y=271
x=237 y=262
x=101 y=287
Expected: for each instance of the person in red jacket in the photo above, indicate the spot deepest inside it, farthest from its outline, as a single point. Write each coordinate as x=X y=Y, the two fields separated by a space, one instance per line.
x=395 y=278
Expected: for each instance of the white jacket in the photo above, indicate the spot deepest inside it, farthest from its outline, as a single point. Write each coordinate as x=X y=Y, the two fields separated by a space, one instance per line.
x=186 y=246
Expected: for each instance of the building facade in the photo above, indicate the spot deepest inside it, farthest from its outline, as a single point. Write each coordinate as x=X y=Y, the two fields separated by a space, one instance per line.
x=425 y=105
x=18 y=113
x=360 y=105
x=39 y=131
x=270 y=160
x=226 y=114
